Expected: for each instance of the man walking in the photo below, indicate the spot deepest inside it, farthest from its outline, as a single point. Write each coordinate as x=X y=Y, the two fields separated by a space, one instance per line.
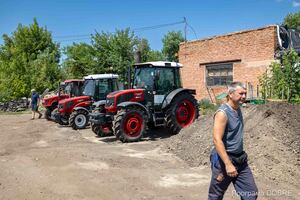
x=228 y=158
x=35 y=101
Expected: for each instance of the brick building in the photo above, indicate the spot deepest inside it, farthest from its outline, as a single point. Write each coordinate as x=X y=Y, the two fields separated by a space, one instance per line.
x=211 y=63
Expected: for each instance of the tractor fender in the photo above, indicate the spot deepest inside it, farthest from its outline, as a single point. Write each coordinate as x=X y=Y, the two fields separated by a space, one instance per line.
x=83 y=104
x=99 y=103
x=174 y=93
x=80 y=108
x=128 y=104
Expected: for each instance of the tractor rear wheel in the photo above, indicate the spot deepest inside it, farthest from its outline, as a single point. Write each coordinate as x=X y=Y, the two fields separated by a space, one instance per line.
x=79 y=119
x=129 y=124
x=182 y=112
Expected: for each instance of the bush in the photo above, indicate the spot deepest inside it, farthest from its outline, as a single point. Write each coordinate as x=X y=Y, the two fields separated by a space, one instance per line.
x=206 y=106
x=283 y=79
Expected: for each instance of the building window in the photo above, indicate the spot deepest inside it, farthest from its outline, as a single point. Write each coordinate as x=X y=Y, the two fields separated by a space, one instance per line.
x=219 y=74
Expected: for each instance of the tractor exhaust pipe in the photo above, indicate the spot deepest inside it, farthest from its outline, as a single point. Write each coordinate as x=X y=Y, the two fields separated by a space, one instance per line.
x=137 y=59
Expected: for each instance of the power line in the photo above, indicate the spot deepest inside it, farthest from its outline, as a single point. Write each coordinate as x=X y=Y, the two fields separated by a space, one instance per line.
x=157 y=26
x=192 y=30
x=88 y=36
x=76 y=39
x=71 y=36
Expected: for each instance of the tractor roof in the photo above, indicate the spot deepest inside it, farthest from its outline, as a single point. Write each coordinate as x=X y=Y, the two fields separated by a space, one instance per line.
x=159 y=64
x=73 y=80
x=101 y=76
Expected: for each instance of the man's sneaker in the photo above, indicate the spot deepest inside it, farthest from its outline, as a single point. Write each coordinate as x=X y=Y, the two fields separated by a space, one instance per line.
x=40 y=116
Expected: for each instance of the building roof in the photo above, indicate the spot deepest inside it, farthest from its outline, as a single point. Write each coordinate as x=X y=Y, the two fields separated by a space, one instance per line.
x=101 y=76
x=160 y=64
x=228 y=34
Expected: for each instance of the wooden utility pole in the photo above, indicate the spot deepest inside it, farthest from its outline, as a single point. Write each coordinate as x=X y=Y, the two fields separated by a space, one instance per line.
x=185 y=24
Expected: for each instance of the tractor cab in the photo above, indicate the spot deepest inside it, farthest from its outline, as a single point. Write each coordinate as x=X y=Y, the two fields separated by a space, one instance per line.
x=68 y=88
x=72 y=87
x=97 y=86
x=158 y=79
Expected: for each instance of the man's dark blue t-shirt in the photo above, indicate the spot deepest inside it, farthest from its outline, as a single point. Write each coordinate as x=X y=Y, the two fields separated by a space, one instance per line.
x=34 y=98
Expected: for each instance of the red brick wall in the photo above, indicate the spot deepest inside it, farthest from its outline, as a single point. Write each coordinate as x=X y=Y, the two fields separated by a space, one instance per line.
x=254 y=48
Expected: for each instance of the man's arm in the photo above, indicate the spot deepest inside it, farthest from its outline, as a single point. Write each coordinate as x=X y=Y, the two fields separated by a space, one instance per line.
x=218 y=133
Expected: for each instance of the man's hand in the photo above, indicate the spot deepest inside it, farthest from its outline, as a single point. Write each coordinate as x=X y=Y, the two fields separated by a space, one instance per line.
x=231 y=170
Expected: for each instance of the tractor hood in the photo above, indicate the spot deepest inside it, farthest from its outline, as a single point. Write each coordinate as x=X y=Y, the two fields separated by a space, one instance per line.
x=124 y=92
x=49 y=97
x=77 y=99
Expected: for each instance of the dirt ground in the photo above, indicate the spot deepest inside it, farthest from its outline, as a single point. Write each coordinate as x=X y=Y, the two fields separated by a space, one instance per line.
x=42 y=160
x=272 y=141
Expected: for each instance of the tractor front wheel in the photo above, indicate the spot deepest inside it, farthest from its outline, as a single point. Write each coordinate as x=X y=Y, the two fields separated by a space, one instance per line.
x=182 y=112
x=102 y=130
x=129 y=124
x=48 y=114
x=79 y=119
x=62 y=120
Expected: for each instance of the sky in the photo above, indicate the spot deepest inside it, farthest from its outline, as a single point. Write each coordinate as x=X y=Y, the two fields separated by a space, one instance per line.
x=74 y=20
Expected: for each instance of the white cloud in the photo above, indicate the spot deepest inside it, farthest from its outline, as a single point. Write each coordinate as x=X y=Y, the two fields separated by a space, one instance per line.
x=296 y=4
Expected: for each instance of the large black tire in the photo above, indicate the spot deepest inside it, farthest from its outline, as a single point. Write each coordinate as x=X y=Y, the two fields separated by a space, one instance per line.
x=62 y=120
x=79 y=119
x=102 y=131
x=130 y=124
x=182 y=112
x=48 y=114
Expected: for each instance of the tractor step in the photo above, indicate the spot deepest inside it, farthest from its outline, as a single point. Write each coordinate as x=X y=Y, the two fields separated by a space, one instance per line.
x=159 y=118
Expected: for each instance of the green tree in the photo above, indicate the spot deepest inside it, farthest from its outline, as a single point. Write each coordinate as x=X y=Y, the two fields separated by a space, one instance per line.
x=291 y=75
x=171 y=43
x=115 y=52
x=80 y=61
x=28 y=59
x=147 y=54
x=292 y=21
x=144 y=48
x=155 y=56
x=283 y=79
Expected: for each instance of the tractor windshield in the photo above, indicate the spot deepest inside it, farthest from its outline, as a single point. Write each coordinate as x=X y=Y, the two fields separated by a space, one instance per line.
x=166 y=80
x=72 y=88
x=89 y=87
x=161 y=79
x=144 y=78
x=103 y=87
x=67 y=88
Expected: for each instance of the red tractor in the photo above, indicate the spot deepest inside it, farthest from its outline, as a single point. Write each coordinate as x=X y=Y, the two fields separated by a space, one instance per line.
x=74 y=111
x=67 y=89
x=156 y=99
